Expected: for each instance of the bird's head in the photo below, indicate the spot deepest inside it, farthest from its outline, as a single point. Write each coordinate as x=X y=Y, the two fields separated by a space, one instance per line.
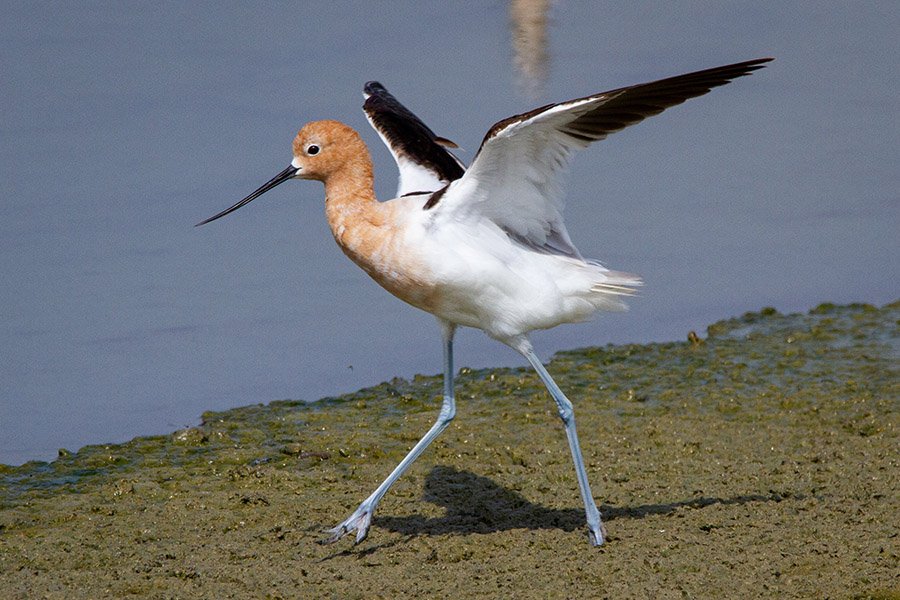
x=322 y=151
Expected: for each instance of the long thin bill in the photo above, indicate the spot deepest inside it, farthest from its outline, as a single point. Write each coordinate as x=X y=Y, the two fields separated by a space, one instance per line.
x=288 y=173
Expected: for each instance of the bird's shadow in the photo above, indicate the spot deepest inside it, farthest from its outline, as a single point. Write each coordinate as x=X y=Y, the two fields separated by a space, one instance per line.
x=475 y=504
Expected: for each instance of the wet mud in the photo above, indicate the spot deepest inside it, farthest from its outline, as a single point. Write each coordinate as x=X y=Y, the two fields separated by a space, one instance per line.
x=757 y=461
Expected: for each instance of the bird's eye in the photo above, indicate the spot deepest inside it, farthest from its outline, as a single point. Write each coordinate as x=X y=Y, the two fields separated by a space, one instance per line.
x=312 y=150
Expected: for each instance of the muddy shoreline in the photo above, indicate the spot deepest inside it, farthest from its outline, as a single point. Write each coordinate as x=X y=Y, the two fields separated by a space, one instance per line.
x=761 y=461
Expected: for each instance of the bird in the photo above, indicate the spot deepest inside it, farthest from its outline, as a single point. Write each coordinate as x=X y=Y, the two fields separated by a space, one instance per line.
x=484 y=247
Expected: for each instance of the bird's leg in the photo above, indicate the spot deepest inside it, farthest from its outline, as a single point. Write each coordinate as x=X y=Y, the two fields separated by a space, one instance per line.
x=596 y=531
x=361 y=518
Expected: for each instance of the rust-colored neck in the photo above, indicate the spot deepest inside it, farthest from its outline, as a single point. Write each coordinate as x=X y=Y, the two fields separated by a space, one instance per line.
x=350 y=195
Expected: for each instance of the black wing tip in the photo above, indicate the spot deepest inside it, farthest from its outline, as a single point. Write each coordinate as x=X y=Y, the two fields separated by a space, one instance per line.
x=702 y=81
x=757 y=64
x=717 y=75
x=753 y=61
x=380 y=102
x=407 y=135
x=750 y=65
x=729 y=72
x=374 y=87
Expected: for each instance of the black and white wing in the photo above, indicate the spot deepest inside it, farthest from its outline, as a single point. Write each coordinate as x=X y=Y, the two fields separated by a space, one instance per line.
x=422 y=157
x=516 y=177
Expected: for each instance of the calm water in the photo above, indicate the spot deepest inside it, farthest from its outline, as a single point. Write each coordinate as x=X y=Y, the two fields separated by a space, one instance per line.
x=123 y=124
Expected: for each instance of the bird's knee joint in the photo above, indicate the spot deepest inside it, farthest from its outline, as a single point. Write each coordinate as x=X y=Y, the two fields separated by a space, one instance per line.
x=448 y=412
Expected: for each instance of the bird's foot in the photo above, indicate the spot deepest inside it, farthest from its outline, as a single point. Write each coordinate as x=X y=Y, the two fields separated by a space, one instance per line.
x=596 y=532
x=359 y=522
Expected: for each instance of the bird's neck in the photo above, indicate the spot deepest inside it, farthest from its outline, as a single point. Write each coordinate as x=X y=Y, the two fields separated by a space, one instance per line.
x=371 y=234
x=351 y=208
x=349 y=191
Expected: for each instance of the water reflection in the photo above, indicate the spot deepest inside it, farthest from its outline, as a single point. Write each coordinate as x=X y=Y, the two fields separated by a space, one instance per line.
x=528 y=24
x=119 y=318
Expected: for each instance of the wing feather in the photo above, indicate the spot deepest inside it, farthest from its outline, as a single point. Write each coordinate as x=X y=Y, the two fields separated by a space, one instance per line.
x=422 y=157
x=516 y=179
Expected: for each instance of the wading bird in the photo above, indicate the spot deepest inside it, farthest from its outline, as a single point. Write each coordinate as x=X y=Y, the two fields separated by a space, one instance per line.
x=487 y=247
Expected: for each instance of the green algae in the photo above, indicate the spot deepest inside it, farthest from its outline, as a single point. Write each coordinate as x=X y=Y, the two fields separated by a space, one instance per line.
x=758 y=461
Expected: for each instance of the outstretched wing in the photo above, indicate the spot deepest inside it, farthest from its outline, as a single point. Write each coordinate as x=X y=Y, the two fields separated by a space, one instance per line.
x=424 y=162
x=517 y=175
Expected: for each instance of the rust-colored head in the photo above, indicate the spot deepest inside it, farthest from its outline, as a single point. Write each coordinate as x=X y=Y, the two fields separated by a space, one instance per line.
x=325 y=148
x=325 y=151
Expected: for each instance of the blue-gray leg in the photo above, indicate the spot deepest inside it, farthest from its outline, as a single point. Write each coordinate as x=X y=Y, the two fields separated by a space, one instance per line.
x=361 y=518
x=596 y=530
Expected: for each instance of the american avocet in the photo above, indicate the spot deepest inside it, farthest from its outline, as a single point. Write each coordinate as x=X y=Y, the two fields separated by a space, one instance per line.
x=490 y=249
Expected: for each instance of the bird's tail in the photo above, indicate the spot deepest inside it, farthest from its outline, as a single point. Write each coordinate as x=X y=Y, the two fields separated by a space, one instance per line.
x=610 y=288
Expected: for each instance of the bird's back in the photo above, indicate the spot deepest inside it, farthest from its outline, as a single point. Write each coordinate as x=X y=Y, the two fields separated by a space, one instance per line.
x=484 y=278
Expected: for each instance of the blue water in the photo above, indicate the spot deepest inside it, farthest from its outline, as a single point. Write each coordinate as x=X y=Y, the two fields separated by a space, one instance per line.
x=123 y=124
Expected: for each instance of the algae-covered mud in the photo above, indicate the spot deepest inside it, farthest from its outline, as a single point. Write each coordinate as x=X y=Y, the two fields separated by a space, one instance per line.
x=759 y=462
